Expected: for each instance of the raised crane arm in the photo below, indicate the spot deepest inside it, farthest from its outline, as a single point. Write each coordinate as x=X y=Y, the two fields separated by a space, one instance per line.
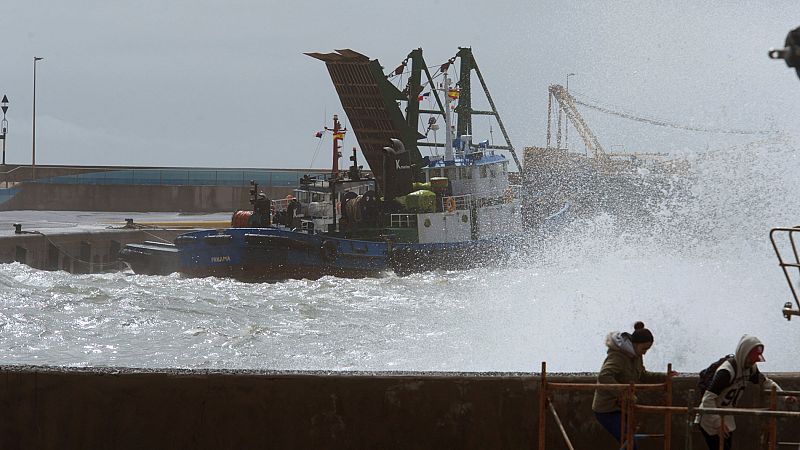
x=567 y=103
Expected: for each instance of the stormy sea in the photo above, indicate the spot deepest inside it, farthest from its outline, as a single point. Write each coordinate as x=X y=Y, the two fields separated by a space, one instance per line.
x=698 y=269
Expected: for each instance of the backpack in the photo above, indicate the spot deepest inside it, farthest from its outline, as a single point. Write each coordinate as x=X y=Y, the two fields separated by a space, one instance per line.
x=707 y=374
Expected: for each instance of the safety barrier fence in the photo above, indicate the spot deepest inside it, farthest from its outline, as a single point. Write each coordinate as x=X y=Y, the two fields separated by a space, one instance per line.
x=629 y=411
x=783 y=240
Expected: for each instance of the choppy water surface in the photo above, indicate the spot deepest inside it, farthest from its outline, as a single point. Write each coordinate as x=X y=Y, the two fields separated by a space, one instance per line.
x=699 y=272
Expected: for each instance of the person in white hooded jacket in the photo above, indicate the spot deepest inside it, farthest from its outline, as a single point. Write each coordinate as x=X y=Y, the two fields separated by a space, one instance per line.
x=729 y=382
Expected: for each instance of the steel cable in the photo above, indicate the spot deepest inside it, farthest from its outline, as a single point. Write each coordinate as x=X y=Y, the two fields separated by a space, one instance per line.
x=662 y=123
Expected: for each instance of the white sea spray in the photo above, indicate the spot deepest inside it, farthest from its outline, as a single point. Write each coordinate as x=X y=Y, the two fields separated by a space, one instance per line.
x=698 y=270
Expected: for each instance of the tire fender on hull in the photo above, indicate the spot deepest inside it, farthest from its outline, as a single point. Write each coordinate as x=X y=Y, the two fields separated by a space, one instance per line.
x=328 y=251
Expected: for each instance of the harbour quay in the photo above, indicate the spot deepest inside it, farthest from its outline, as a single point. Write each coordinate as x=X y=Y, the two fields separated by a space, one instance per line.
x=79 y=251
x=75 y=218
x=123 y=408
x=139 y=189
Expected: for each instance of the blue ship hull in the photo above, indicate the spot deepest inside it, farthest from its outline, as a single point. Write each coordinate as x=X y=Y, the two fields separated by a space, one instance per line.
x=275 y=254
x=258 y=254
x=264 y=254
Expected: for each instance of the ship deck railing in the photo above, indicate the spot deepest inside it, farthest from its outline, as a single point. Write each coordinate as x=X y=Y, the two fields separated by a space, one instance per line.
x=280 y=205
x=456 y=202
x=403 y=220
x=511 y=193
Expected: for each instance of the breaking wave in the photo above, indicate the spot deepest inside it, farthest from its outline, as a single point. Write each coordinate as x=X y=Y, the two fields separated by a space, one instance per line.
x=695 y=265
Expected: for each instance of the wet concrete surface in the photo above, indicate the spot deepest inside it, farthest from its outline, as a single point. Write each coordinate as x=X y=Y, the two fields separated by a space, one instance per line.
x=82 y=221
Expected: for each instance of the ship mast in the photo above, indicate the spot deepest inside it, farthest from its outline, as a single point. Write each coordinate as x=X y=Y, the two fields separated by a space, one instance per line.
x=448 y=133
x=338 y=136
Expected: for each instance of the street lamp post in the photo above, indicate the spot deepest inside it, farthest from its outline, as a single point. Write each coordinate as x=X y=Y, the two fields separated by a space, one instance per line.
x=566 y=124
x=33 y=142
x=4 y=127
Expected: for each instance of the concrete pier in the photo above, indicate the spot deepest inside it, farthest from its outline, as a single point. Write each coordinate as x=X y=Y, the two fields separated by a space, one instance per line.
x=81 y=252
x=115 y=408
x=143 y=189
x=82 y=242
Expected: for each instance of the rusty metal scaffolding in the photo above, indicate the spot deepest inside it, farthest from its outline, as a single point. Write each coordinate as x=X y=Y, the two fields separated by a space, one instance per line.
x=630 y=410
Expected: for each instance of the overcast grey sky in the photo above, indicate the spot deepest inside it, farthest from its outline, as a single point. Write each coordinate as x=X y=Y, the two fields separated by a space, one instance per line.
x=226 y=84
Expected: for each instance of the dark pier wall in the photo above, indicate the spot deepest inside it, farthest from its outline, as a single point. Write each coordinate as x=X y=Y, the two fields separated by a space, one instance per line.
x=76 y=252
x=46 y=408
x=134 y=198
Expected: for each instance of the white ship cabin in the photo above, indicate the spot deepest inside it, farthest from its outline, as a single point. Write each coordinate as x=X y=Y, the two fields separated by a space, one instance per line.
x=482 y=176
x=481 y=204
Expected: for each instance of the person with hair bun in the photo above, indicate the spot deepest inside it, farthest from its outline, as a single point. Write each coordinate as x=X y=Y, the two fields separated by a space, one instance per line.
x=623 y=365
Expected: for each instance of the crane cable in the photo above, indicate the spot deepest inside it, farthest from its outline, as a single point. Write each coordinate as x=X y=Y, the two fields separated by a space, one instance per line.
x=662 y=123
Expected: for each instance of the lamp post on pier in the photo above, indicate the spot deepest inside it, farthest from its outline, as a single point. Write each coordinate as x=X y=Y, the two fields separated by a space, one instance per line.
x=33 y=142
x=4 y=127
x=3 y=133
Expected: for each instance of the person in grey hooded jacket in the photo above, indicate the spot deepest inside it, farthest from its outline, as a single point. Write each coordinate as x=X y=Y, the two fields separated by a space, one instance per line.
x=623 y=365
x=729 y=382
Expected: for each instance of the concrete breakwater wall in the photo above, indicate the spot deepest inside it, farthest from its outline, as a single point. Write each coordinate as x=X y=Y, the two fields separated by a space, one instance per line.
x=57 y=408
x=134 y=198
x=140 y=189
x=92 y=251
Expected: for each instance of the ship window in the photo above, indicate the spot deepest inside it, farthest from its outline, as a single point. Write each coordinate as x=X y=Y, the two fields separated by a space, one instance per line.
x=466 y=173
x=436 y=173
x=483 y=172
x=302 y=196
x=493 y=172
x=452 y=173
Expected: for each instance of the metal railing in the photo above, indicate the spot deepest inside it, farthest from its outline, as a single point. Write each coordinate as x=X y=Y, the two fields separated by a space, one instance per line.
x=511 y=193
x=403 y=220
x=629 y=411
x=790 y=266
x=456 y=202
x=627 y=421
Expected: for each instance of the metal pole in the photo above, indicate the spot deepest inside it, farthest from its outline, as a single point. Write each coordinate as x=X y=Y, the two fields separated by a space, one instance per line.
x=631 y=417
x=560 y=426
x=773 y=422
x=496 y=114
x=5 y=172
x=689 y=419
x=667 y=415
x=33 y=141
x=4 y=128
x=566 y=124
x=749 y=412
x=542 y=405
x=549 y=117
x=623 y=417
